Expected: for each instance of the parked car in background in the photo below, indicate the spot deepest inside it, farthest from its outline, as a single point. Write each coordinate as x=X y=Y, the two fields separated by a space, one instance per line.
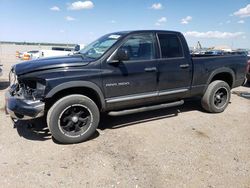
x=54 y=53
x=34 y=54
x=31 y=55
x=60 y=51
x=214 y=52
x=68 y=49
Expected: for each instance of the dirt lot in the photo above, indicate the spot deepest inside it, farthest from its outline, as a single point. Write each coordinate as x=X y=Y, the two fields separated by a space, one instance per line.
x=177 y=147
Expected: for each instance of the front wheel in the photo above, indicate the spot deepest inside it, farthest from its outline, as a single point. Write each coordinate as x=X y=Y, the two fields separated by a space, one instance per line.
x=216 y=97
x=73 y=119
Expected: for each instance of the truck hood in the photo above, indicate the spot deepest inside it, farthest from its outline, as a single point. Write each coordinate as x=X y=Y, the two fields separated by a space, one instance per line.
x=50 y=63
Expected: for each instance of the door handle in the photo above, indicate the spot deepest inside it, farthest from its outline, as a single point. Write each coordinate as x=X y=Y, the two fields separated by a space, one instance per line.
x=184 y=66
x=150 y=69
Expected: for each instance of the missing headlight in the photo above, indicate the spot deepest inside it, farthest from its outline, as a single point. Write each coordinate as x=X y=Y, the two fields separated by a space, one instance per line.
x=33 y=88
x=30 y=84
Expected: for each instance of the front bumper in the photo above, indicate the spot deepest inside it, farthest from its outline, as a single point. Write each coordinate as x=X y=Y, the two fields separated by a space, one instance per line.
x=23 y=109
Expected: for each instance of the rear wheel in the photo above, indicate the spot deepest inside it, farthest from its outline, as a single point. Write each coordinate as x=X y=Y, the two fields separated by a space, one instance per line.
x=216 y=97
x=73 y=119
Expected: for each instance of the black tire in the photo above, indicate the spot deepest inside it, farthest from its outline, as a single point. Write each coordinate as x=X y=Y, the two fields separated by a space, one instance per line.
x=216 y=97
x=73 y=119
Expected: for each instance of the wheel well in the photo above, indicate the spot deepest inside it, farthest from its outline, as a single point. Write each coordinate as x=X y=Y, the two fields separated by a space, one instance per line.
x=92 y=94
x=226 y=77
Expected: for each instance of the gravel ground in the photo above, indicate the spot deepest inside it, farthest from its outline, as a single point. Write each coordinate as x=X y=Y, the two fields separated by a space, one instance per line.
x=176 y=147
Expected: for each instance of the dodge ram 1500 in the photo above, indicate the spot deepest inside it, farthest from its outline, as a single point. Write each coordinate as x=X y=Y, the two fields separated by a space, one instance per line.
x=119 y=73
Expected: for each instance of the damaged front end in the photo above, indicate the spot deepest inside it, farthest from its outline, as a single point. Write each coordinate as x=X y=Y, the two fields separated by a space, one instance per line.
x=24 y=99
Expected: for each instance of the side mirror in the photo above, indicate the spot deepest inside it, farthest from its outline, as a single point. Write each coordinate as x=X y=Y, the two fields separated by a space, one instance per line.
x=121 y=55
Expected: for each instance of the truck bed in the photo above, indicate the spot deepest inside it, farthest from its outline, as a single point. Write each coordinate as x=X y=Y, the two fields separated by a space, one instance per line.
x=205 y=66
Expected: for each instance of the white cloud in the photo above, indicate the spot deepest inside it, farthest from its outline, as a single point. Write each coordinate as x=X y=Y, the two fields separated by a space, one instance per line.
x=241 y=22
x=55 y=8
x=186 y=20
x=79 y=5
x=61 y=31
x=228 y=21
x=112 y=21
x=161 y=21
x=213 y=34
x=69 y=18
x=156 y=6
x=243 y=12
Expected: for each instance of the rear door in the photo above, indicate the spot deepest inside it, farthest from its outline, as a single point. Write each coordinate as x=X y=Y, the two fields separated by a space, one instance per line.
x=132 y=82
x=175 y=70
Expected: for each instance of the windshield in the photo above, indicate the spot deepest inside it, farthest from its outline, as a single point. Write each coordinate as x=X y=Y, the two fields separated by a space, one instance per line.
x=97 y=48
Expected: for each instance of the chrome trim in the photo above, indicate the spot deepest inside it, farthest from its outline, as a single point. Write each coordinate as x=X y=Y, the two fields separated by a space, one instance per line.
x=184 y=65
x=170 y=92
x=201 y=85
x=131 y=97
x=172 y=58
x=145 y=95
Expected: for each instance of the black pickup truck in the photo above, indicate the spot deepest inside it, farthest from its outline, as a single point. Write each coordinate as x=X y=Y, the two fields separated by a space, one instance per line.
x=120 y=73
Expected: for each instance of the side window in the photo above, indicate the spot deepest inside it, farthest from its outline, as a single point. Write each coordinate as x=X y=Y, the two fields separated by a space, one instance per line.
x=170 y=46
x=140 y=47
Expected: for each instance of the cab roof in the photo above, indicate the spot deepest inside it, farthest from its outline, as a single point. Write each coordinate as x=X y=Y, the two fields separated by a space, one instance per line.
x=145 y=31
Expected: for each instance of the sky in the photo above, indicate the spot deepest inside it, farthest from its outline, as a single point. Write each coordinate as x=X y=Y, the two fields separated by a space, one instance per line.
x=213 y=22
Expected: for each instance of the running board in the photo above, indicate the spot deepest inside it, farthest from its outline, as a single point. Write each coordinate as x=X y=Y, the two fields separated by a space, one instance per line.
x=144 y=109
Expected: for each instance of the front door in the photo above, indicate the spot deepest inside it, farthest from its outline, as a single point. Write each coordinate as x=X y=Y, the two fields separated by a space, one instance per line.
x=132 y=82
